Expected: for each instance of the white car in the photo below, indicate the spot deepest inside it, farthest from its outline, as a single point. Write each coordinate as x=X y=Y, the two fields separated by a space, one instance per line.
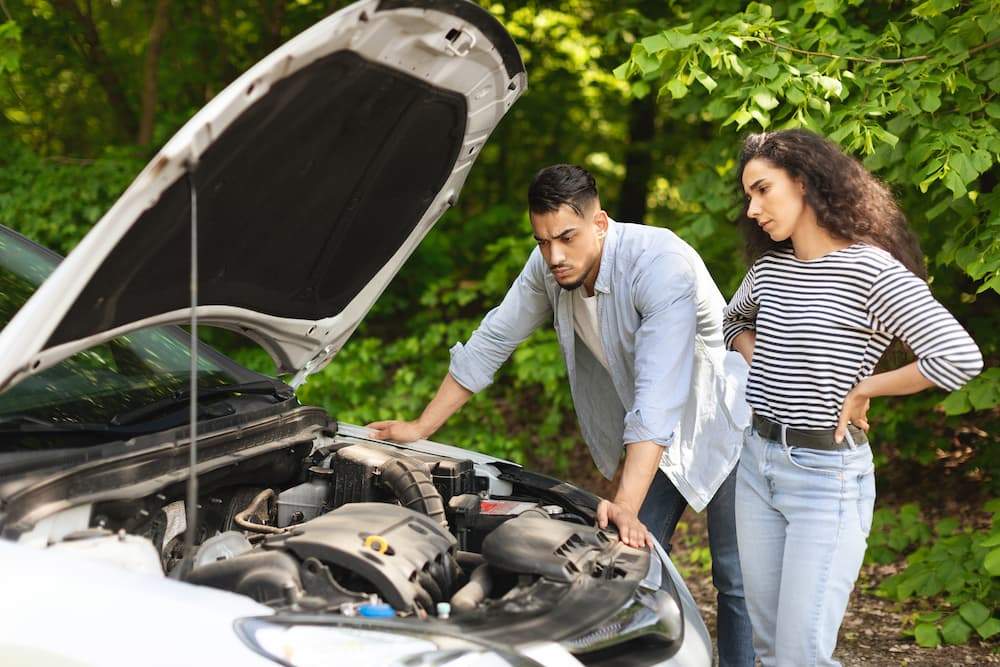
x=285 y=537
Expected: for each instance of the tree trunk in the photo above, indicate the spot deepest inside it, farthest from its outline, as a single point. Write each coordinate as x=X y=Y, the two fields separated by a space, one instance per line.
x=150 y=76
x=100 y=65
x=638 y=160
x=274 y=18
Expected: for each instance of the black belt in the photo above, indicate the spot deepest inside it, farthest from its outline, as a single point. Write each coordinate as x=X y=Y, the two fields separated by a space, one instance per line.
x=810 y=439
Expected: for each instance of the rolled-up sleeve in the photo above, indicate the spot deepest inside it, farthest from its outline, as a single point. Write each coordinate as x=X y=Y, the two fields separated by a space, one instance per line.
x=902 y=305
x=524 y=308
x=665 y=297
x=741 y=313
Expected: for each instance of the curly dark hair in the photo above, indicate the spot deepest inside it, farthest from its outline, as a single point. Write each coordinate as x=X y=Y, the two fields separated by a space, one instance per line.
x=848 y=200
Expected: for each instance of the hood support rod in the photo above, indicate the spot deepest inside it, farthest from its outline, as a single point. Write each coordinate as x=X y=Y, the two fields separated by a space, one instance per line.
x=190 y=533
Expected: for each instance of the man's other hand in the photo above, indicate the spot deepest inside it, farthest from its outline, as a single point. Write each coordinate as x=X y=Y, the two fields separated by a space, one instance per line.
x=397 y=431
x=631 y=531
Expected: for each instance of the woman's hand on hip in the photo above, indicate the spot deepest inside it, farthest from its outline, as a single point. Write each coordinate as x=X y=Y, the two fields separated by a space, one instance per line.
x=855 y=411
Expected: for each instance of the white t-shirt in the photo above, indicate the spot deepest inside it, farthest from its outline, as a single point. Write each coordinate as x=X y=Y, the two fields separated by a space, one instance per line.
x=585 y=323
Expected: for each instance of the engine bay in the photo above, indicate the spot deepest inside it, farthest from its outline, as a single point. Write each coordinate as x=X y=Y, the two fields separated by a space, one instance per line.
x=353 y=527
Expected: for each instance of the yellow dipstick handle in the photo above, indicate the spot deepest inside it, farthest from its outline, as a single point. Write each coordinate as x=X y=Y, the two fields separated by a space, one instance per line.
x=377 y=542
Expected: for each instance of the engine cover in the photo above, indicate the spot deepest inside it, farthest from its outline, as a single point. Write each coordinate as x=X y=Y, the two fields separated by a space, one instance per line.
x=552 y=549
x=405 y=555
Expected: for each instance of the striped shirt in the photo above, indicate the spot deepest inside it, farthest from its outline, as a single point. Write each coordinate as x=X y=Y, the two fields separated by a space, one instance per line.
x=822 y=325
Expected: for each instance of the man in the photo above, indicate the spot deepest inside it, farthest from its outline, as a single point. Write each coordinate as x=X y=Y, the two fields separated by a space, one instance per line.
x=639 y=321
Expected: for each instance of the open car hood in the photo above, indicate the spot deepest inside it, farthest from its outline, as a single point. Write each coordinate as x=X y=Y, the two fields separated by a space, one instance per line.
x=313 y=177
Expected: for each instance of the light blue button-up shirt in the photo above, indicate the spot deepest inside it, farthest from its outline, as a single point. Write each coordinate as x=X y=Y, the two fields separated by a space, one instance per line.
x=669 y=379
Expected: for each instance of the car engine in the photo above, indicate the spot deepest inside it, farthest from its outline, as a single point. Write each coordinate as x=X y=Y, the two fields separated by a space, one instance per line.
x=360 y=527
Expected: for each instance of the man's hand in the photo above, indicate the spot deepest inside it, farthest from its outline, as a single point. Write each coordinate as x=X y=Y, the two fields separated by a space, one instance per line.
x=630 y=529
x=397 y=431
x=855 y=411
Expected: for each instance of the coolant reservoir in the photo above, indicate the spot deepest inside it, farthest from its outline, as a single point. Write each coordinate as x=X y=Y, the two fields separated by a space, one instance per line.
x=305 y=501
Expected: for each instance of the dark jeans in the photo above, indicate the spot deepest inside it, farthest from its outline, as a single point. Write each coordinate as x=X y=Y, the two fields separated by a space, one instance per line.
x=660 y=513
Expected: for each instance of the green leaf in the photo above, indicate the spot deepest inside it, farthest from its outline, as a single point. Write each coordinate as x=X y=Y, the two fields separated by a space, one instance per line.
x=991 y=541
x=982 y=395
x=741 y=117
x=621 y=72
x=955 y=631
x=927 y=635
x=920 y=33
x=761 y=117
x=647 y=63
x=794 y=95
x=974 y=613
x=946 y=526
x=930 y=101
x=885 y=136
x=655 y=43
x=829 y=85
x=737 y=42
x=961 y=163
x=993 y=109
x=954 y=182
x=677 y=88
x=765 y=100
x=704 y=79
x=989 y=628
x=640 y=89
x=992 y=562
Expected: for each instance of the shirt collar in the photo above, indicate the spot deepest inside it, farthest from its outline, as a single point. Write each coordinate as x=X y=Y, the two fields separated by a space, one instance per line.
x=603 y=282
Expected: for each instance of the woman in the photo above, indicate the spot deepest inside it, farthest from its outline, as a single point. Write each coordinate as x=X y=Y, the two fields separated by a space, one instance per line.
x=837 y=275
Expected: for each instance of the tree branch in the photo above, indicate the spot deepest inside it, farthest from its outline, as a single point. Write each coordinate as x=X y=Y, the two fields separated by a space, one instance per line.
x=150 y=79
x=99 y=63
x=878 y=61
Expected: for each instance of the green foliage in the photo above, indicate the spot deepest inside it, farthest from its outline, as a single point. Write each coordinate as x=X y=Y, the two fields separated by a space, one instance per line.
x=66 y=157
x=55 y=202
x=911 y=89
x=955 y=569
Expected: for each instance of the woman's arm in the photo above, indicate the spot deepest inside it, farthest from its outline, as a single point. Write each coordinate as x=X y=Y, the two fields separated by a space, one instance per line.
x=744 y=342
x=900 y=382
x=900 y=303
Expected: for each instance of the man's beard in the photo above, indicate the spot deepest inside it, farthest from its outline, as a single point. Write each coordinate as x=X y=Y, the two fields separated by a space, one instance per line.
x=574 y=285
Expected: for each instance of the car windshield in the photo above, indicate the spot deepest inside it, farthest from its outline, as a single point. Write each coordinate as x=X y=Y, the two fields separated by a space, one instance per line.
x=95 y=385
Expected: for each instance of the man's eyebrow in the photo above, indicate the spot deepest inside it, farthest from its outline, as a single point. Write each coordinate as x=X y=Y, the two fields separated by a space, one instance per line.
x=557 y=236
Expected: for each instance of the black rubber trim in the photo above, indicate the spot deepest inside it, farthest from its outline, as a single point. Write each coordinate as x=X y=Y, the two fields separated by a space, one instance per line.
x=477 y=16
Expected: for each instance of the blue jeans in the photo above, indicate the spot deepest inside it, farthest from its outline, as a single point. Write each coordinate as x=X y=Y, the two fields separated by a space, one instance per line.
x=802 y=517
x=660 y=512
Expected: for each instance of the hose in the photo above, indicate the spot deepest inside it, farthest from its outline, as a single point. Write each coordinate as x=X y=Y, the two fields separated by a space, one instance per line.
x=473 y=593
x=414 y=488
x=243 y=518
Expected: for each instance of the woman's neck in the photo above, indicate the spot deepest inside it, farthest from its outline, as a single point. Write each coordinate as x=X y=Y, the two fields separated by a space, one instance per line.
x=810 y=241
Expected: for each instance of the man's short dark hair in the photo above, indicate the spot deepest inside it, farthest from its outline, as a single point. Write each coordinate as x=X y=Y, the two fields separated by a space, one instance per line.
x=560 y=184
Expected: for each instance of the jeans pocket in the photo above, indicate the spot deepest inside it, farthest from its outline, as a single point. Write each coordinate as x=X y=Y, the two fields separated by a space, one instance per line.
x=816 y=461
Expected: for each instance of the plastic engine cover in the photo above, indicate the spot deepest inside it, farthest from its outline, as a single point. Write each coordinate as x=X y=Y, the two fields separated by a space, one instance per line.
x=392 y=547
x=552 y=549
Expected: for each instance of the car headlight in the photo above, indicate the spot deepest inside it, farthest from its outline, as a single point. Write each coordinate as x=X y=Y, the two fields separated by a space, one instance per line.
x=654 y=613
x=302 y=644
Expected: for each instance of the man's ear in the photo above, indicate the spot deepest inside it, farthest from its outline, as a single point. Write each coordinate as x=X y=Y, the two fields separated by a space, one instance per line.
x=601 y=221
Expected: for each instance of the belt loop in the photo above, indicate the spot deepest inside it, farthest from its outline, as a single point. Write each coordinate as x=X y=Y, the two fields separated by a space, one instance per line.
x=784 y=440
x=850 y=438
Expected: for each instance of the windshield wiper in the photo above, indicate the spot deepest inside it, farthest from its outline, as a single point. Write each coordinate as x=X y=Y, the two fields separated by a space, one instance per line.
x=181 y=397
x=28 y=424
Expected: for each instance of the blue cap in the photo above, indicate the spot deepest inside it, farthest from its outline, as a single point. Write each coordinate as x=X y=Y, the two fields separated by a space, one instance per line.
x=376 y=611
